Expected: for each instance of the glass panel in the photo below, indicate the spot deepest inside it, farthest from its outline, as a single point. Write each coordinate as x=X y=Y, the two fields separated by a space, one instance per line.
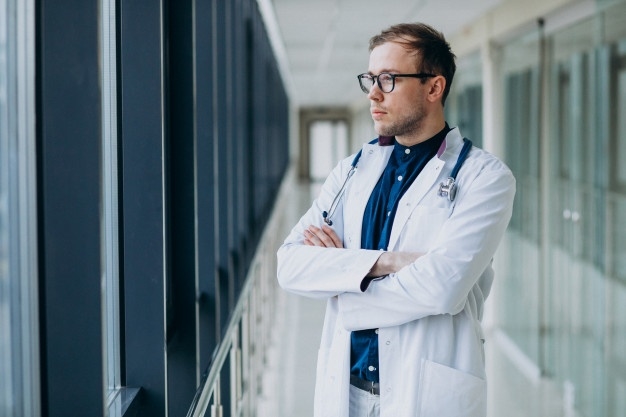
x=517 y=297
x=19 y=381
x=6 y=383
x=575 y=337
x=464 y=106
x=616 y=228
x=560 y=294
x=110 y=250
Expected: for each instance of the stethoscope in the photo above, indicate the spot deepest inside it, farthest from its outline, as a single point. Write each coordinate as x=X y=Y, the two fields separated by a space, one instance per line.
x=447 y=189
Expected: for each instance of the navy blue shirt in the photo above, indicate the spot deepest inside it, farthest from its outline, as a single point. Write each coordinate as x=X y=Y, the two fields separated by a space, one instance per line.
x=405 y=164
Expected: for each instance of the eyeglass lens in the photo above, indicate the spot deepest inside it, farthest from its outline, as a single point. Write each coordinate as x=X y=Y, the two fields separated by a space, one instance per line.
x=385 y=82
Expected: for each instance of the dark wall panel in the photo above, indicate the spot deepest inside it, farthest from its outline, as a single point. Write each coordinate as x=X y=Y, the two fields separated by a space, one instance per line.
x=145 y=267
x=69 y=123
x=203 y=144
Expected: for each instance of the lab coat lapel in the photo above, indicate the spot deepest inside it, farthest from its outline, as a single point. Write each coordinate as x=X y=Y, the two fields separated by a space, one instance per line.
x=414 y=195
x=371 y=165
x=425 y=182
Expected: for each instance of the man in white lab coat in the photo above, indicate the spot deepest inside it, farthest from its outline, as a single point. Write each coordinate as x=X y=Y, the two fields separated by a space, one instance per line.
x=403 y=260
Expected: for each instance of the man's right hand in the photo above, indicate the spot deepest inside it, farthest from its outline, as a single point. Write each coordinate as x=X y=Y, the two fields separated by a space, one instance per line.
x=324 y=237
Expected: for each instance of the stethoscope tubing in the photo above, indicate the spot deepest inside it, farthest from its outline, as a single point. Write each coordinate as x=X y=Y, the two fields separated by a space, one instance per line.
x=447 y=189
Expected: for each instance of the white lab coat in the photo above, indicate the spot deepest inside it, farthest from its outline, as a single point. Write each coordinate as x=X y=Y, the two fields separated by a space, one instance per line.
x=428 y=314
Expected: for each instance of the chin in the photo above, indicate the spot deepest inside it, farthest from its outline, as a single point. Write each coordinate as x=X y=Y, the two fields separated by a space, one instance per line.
x=384 y=132
x=380 y=130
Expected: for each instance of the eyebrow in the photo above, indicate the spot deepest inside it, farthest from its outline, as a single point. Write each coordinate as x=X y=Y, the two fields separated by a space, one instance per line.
x=389 y=70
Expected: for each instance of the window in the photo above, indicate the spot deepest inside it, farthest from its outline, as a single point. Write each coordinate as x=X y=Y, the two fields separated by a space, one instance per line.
x=19 y=384
x=109 y=219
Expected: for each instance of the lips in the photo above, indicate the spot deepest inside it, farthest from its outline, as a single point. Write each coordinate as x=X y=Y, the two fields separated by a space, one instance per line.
x=376 y=113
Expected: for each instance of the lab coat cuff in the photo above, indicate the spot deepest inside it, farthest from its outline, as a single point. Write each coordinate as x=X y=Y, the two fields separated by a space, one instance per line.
x=365 y=283
x=368 y=280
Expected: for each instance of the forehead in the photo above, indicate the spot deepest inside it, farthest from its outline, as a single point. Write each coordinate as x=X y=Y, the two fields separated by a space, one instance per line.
x=392 y=56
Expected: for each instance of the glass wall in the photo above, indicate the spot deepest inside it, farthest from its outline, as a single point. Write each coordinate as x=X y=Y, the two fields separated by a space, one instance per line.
x=140 y=159
x=110 y=225
x=561 y=298
x=522 y=282
x=612 y=57
x=464 y=105
x=19 y=382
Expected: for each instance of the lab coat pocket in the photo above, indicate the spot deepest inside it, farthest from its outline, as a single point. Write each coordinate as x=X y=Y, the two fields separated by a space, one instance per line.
x=448 y=392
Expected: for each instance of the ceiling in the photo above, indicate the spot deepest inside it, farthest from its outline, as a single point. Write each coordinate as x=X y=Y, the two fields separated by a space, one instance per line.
x=325 y=42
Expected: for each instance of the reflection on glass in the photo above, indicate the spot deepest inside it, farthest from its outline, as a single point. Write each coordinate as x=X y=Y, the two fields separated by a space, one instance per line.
x=18 y=261
x=521 y=280
x=562 y=297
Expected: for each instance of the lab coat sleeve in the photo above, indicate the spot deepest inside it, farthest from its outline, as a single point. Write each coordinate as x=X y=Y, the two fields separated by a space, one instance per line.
x=439 y=281
x=323 y=272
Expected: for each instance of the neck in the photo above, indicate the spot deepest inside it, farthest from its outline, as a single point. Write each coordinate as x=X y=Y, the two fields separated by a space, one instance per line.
x=429 y=128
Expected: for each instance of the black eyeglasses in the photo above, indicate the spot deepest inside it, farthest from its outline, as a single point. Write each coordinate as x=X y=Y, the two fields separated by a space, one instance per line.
x=386 y=81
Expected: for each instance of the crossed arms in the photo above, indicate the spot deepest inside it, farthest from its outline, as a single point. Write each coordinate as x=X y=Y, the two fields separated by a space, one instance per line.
x=387 y=263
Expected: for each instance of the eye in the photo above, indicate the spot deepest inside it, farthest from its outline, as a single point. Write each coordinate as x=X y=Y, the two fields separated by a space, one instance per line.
x=385 y=78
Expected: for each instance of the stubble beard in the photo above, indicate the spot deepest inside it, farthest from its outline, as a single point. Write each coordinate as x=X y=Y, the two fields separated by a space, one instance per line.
x=403 y=127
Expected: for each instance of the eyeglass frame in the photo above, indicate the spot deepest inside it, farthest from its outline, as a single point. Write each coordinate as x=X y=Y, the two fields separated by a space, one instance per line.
x=420 y=75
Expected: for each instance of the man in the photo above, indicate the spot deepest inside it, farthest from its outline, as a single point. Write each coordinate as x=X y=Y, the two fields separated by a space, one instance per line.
x=404 y=260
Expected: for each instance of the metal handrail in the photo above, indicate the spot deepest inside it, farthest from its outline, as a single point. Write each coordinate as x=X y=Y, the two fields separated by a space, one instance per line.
x=248 y=312
x=211 y=377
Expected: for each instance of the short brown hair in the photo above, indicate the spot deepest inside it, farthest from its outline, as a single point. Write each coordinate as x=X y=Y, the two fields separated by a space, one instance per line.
x=428 y=43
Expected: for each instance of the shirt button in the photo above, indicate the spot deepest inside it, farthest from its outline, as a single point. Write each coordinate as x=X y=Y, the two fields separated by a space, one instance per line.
x=399 y=177
x=388 y=342
x=371 y=368
x=376 y=331
x=388 y=213
x=407 y=151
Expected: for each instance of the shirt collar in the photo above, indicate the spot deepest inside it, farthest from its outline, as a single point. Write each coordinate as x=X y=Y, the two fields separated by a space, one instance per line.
x=390 y=140
x=433 y=142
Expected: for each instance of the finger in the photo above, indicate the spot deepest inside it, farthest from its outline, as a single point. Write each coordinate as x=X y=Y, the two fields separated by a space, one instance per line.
x=322 y=236
x=333 y=236
x=312 y=238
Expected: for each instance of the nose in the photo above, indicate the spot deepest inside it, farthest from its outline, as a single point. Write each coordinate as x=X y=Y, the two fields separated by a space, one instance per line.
x=375 y=94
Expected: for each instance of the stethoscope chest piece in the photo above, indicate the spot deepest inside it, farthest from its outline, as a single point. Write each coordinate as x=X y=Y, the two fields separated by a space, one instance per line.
x=448 y=189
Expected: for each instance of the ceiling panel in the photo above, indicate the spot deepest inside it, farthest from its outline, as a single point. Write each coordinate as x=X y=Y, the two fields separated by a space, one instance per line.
x=326 y=41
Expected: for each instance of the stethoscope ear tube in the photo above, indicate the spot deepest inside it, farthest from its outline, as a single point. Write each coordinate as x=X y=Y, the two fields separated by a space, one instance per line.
x=333 y=206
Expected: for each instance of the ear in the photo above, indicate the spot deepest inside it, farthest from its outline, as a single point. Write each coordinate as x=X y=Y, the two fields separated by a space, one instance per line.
x=437 y=87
